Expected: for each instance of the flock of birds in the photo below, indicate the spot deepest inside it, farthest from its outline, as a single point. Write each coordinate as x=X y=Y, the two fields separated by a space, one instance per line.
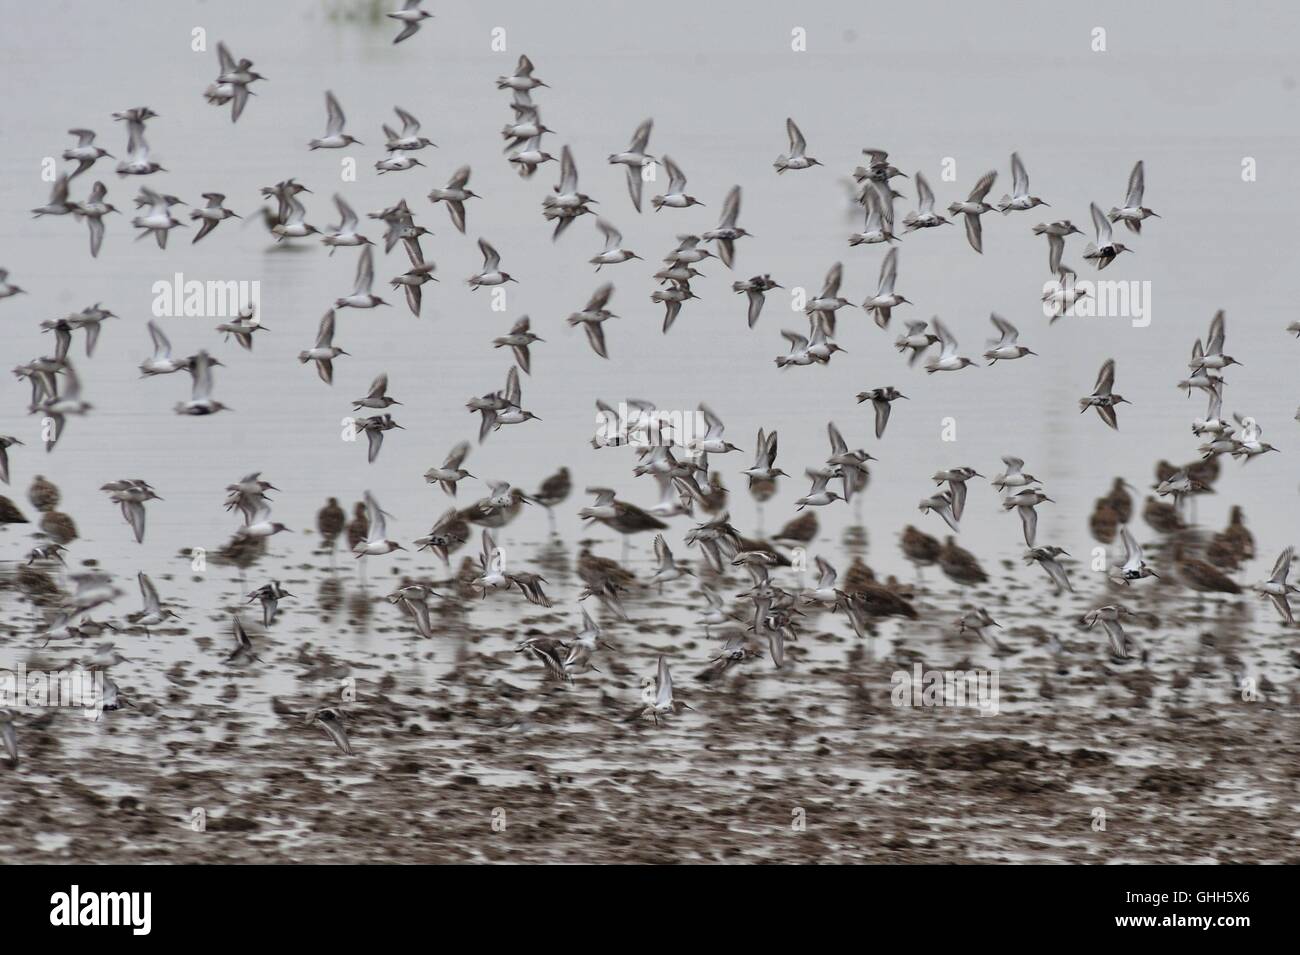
x=681 y=464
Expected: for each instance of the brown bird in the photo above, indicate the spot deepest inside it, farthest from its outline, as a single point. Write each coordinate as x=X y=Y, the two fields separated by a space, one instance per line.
x=359 y=526
x=1162 y=517
x=555 y=490
x=960 y=566
x=858 y=577
x=920 y=548
x=1120 y=501
x=43 y=494
x=1104 y=522
x=801 y=530
x=9 y=513
x=1202 y=576
x=714 y=500
x=1237 y=537
x=329 y=523
x=58 y=527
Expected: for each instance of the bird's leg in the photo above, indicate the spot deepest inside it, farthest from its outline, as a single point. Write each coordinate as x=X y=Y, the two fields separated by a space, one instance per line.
x=626 y=547
x=550 y=519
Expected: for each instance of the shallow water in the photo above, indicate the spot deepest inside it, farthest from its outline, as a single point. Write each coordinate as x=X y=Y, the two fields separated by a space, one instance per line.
x=1191 y=98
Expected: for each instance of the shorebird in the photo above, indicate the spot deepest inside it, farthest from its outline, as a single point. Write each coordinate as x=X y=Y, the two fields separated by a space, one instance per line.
x=1134 y=566
x=7 y=288
x=1105 y=250
x=818 y=496
x=334 y=137
x=941 y=503
x=727 y=231
x=291 y=218
x=408 y=139
x=1276 y=587
x=345 y=233
x=491 y=273
x=85 y=154
x=529 y=156
x=361 y=296
x=244 y=326
x=447 y=534
x=451 y=472
x=330 y=718
x=93 y=211
x=520 y=337
x=661 y=703
x=919 y=548
x=1102 y=397
x=1024 y=503
x=324 y=351
x=948 y=359
x=158 y=219
x=522 y=80
x=796 y=158
x=764 y=460
x=455 y=194
x=244 y=652
x=675 y=196
x=1049 y=559
x=672 y=299
x=1020 y=200
x=1109 y=617
x=1213 y=357
x=924 y=217
x=754 y=289
x=879 y=225
x=377 y=396
x=1133 y=212
x=978 y=622
x=592 y=318
x=329 y=523
x=131 y=495
x=58 y=406
x=565 y=203
x=1200 y=575
x=161 y=362
x=153 y=614
x=635 y=158
x=667 y=569
x=959 y=565
x=613 y=253
x=1056 y=233
x=956 y=479
x=1006 y=347
x=886 y=300
x=233 y=81
x=6 y=442
x=57 y=203
x=269 y=595
x=712 y=442
x=973 y=207
x=375 y=543
x=373 y=428
x=394 y=163
x=410 y=16
x=881 y=400
x=916 y=341
x=137 y=161
x=212 y=215
x=821 y=310
x=512 y=412
x=1063 y=295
